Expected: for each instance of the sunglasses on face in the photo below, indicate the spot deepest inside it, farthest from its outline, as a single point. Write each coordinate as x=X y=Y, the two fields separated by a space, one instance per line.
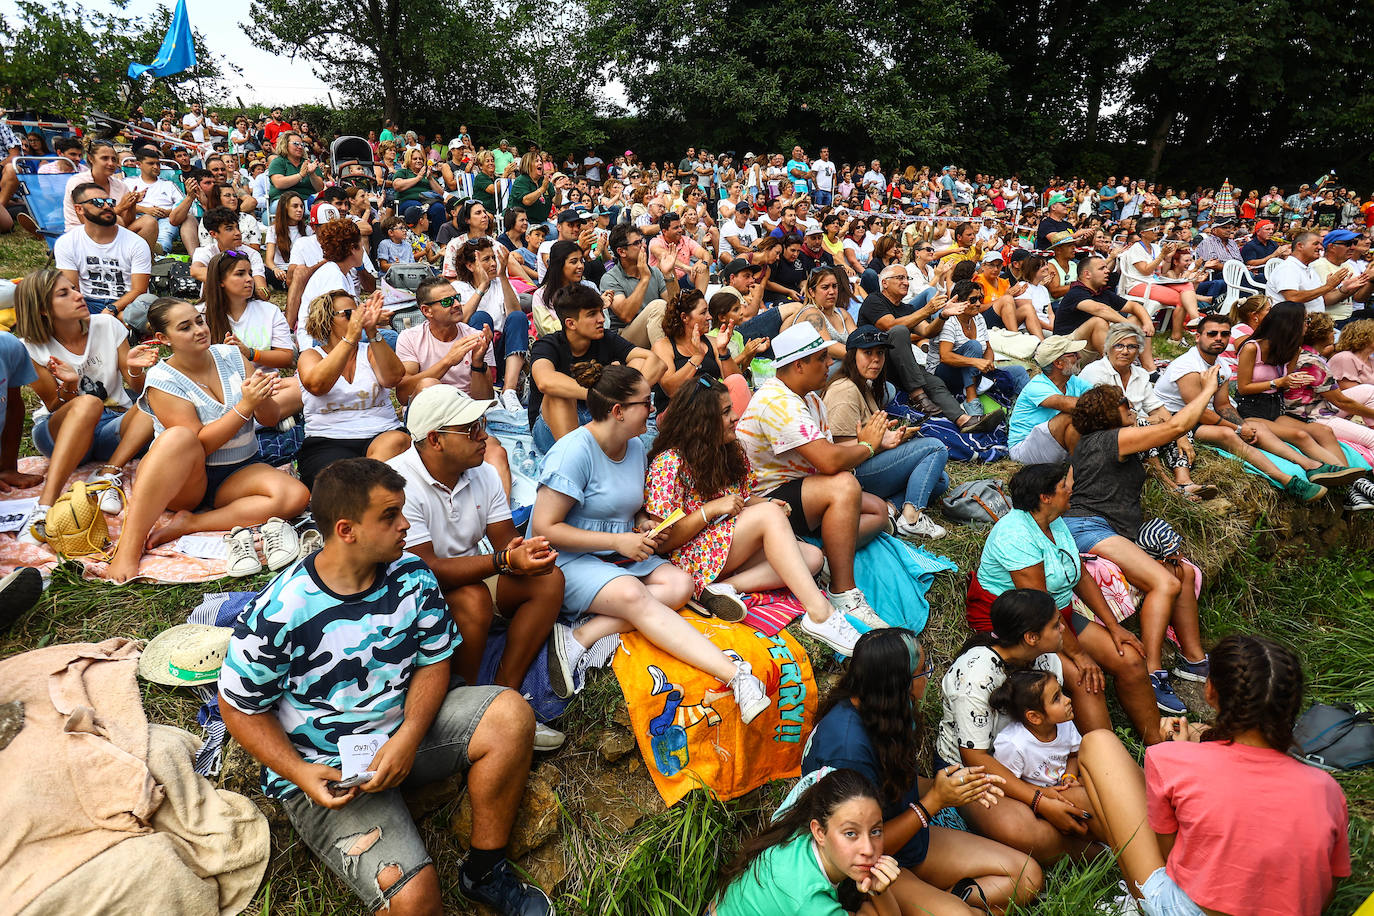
x=345 y=314
x=100 y=202
x=474 y=430
x=445 y=302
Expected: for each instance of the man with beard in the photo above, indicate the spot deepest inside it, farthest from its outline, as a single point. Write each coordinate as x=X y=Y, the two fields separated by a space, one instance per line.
x=110 y=264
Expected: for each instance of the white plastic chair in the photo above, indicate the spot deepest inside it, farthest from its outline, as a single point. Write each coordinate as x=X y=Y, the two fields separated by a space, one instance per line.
x=1238 y=285
x=1159 y=313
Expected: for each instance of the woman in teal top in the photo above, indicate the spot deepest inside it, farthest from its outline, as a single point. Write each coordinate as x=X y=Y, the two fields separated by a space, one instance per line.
x=821 y=857
x=416 y=185
x=1031 y=547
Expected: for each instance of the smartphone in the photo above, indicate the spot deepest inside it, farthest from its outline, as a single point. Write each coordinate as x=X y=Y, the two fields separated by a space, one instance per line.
x=339 y=786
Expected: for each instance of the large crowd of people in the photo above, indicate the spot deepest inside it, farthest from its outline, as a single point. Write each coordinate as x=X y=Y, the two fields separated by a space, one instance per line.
x=775 y=354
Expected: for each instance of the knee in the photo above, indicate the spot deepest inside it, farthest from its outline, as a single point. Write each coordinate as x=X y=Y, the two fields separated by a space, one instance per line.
x=471 y=604
x=511 y=714
x=85 y=408
x=1030 y=880
x=181 y=442
x=627 y=592
x=813 y=556
x=678 y=586
x=294 y=496
x=1097 y=745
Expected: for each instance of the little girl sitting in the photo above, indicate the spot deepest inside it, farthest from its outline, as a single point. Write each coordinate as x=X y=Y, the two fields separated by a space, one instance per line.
x=1040 y=746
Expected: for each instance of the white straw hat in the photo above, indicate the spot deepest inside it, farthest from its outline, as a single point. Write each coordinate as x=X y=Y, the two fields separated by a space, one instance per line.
x=186 y=655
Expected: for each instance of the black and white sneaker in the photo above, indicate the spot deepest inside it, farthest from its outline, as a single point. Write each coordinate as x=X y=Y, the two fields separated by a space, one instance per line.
x=1360 y=496
x=504 y=892
x=19 y=591
x=564 y=653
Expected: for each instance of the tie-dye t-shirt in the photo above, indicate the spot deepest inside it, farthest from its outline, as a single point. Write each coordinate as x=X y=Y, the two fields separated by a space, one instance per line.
x=329 y=665
x=775 y=423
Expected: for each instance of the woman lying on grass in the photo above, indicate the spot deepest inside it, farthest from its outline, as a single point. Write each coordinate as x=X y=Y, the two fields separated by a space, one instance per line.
x=1222 y=820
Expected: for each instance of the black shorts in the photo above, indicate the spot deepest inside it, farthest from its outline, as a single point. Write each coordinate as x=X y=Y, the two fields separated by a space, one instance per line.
x=791 y=494
x=319 y=452
x=217 y=474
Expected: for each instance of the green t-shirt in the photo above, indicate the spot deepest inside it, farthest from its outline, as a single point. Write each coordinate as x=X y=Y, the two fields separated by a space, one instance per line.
x=385 y=135
x=480 y=183
x=412 y=192
x=784 y=880
x=538 y=212
x=280 y=165
x=503 y=159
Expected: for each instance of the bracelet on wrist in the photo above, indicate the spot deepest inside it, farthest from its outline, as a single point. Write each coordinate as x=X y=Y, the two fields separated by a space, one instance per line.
x=247 y=419
x=1035 y=802
x=869 y=445
x=921 y=813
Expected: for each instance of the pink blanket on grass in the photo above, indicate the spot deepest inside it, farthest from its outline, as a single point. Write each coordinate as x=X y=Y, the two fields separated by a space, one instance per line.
x=163 y=565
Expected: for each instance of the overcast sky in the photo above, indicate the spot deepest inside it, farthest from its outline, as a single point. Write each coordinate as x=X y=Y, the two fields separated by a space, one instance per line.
x=267 y=78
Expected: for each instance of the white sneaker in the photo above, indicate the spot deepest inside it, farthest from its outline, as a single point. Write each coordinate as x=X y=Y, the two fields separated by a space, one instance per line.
x=835 y=631
x=280 y=543
x=27 y=534
x=564 y=654
x=750 y=695
x=311 y=541
x=923 y=527
x=723 y=601
x=854 y=604
x=547 y=738
x=111 y=500
x=242 y=557
x=1123 y=904
x=511 y=401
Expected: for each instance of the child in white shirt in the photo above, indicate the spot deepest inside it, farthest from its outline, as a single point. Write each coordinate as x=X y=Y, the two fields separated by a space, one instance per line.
x=1040 y=746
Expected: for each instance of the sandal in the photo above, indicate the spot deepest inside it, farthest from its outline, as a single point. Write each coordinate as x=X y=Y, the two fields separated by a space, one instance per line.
x=965 y=890
x=1197 y=492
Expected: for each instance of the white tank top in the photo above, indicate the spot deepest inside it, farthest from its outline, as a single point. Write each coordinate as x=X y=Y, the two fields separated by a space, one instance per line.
x=359 y=409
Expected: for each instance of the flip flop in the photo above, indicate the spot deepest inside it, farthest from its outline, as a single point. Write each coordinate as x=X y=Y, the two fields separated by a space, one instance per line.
x=1198 y=492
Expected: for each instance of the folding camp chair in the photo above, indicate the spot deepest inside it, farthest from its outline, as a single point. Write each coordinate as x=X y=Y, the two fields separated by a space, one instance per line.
x=42 y=196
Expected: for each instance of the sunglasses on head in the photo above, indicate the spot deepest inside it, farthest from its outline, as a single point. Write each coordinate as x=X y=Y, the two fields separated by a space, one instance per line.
x=870 y=339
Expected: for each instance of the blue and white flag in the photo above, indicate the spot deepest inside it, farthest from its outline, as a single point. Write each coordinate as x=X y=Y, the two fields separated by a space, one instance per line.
x=178 y=51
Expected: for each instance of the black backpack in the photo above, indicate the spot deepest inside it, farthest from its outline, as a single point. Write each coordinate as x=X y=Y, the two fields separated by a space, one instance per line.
x=1334 y=737
x=172 y=277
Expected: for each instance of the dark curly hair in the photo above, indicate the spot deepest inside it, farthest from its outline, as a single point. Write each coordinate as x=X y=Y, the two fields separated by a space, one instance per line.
x=338 y=238
x=676 y=312
x=1259 y=685
x=1097 y=410
x=879 y=677
x=691 y=426
x=1034 y=481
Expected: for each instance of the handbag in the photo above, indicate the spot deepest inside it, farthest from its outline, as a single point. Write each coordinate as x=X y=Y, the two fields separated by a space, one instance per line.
x=1263 y=406
x=1334 y=737
x=75 y=526
x=978 y=502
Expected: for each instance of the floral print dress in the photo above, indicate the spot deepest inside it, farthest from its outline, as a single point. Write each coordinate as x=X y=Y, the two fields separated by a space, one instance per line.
x=668 y=487
x=1306 y=402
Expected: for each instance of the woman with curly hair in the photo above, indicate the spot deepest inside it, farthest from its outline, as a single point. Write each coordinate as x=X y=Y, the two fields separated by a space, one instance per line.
x=1352 y=364
x=689 y=352
x=823 y=856
x=341 y=244
x=870 y=723
x=1194 y=831
x=730 y=542
x=826 y=307
x=1105 y=517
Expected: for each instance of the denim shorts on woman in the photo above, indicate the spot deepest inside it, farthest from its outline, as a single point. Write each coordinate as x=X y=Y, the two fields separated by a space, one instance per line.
x=103 y=443
x=1165 y=898
x=1088 y=531
x=375 y=830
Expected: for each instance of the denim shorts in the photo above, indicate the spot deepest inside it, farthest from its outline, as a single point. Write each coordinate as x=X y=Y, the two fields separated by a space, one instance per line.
x=1162 y=897
x=1088 y=531
x=103 y=443
x=373 y=831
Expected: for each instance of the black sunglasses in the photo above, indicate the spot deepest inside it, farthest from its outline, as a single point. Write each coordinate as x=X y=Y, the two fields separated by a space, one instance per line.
x=445 y=302
x=345 y=314
x=100 y=202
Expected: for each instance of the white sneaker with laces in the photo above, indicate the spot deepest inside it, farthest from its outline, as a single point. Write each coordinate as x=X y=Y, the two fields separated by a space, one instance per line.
x=750 y=695
x=511 y=401
x=923 y=527
x=547 y=738
x=111 y=500
x=835 y=631
x=242 y=557
x=26 y=534
x=280 y=543
x=852 y=602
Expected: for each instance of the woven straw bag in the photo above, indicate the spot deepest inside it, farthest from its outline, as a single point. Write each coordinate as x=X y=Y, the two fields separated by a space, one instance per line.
x=75 y=526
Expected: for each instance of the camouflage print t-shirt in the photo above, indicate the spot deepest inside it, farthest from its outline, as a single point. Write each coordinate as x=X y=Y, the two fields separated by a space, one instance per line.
x=329 y=665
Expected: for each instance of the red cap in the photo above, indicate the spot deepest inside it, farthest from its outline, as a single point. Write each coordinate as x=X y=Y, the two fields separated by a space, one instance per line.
x=1261 y=224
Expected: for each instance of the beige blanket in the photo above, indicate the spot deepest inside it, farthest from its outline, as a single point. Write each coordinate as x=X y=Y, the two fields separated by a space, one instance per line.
x=103 y=814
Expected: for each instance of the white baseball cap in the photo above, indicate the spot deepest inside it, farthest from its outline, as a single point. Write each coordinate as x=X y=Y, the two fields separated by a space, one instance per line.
x=443 y=405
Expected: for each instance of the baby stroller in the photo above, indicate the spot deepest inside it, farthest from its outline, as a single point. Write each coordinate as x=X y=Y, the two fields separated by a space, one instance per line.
x=350 y=158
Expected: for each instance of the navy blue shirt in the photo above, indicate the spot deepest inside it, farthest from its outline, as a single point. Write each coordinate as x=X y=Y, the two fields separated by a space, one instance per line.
x=840 y=741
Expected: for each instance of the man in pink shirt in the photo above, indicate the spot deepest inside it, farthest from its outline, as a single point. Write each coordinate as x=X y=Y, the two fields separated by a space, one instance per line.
x=672 y=247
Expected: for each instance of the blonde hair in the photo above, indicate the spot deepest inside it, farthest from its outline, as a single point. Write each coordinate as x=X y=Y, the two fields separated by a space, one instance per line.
x=284 y=141
x=31 y=300
x=532 y=164
x=1247 y=308
x=319 y=317
x=1356 y=336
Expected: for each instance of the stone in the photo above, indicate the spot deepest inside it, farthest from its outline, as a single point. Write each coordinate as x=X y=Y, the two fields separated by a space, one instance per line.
x=613 y=744
x=536 y=822
x=11 y=722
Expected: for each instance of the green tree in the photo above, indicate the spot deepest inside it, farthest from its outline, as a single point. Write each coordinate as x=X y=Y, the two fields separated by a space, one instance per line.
x=65 y=60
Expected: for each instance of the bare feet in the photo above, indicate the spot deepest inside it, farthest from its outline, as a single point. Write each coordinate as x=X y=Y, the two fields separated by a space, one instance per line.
x=121 y=569
x=179 y=525
x=18 y=481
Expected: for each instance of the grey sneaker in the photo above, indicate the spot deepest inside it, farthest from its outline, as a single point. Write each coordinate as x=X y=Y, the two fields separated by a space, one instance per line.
x=923 y=527
x=721 y=600
x=547 y=738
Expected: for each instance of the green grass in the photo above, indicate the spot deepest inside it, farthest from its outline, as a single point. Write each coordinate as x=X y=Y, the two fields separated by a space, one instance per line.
x=667 y=862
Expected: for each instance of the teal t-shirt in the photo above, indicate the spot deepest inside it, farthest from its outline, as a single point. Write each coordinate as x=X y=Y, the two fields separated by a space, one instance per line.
x=785 y=880
x=280 y=165
x=1016 y=542
x=412 y=192
x=1027 y=412
x=385 y=135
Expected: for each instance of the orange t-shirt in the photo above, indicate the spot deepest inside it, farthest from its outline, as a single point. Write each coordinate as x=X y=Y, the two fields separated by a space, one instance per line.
x=992 y=290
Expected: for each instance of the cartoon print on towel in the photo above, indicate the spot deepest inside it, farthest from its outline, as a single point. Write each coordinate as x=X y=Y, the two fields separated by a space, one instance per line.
x=687 y=724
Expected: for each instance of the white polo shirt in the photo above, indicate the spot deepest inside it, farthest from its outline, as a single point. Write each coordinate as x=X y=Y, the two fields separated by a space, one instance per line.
x=1290 y=273
x=453 y=521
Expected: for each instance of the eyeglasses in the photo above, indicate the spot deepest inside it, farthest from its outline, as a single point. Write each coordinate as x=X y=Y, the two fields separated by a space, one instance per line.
x=345 y=314
x=1215 y=333
x=646 y=403
x=975 y=300
x=100 y=202
x=445 y=302
x=1126 y=348
x=927 y=671
x=474 y=430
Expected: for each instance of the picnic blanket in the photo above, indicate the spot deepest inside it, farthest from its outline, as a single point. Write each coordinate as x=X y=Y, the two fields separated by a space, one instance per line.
x=687 y=724
x=894 y=576
x=103 y=813
x=163 y=565
x=770 y=611
x=1355 y=457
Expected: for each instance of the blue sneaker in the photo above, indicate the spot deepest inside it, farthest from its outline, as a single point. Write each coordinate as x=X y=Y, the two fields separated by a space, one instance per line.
x=1193 y=671
x=1165 y=698
x=504 y=892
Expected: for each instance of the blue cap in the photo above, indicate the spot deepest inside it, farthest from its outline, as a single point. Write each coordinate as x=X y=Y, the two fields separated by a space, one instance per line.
x=1339 y=237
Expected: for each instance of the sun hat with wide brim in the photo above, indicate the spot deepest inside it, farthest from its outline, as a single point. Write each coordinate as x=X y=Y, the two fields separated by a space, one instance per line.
x=186 y=655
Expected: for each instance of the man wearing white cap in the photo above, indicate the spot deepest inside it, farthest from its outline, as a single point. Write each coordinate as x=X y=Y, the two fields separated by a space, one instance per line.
x=351 y=647
x=787 y=439
x=1039 y=431
x=453 y=500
